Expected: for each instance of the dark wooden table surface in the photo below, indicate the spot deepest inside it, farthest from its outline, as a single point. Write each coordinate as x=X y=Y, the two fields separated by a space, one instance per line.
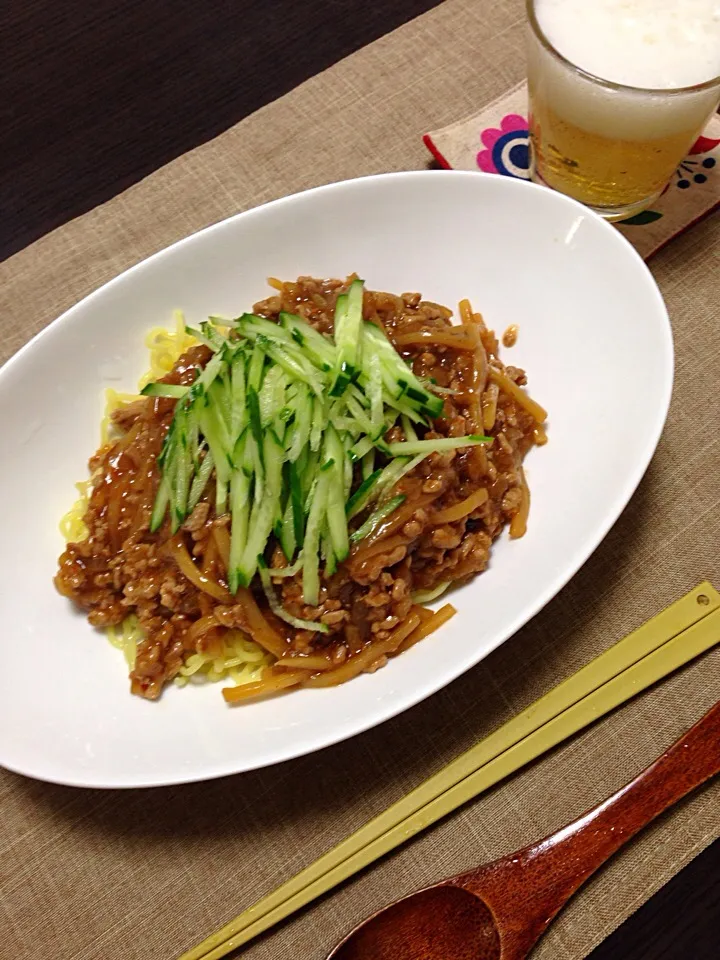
x=93 y=97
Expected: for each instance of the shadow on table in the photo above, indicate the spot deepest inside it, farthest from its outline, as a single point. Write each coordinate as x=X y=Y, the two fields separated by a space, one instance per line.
x=391 y=759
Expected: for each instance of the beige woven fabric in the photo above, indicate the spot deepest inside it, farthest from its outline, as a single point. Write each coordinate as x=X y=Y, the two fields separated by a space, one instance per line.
x=139 y=875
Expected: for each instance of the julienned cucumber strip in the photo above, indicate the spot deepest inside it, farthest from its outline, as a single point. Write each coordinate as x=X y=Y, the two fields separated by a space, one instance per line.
x=208 y=425
x=255 y=369
x=255 y=421
x=321 y=350
x=209 y=336
x=318 y=423
x=308 y=471
x=158 y=389
x=359 y=500
x=296 y=501
x=398 y=378
x=359 y=413
x=410 y=448
x=326 y=550
x=377 y=517
x=287 y=533
x=181 y=471
x=408 y=428
x=293 y=365
x=252 y=465
x=200 y=481
x=375 y=392
x=239 y=415
x=267 y=397
x=252 y=325
x=220 y=405
x=300 y=434
x=240 y=516
x=331 y=563
x=311 y=544
x=200 y=387
x=368 y=464
x=287 y=571
x=335 y=508
x=347 y=329
x=359 y=450
x=200 y=336
x=264 y=511
x=341 y=376
x=348 y=472
x=278 y=609
x=277 y=530
x=390 y=476
x=384 y=490
x=195 y=445
x=162 y=499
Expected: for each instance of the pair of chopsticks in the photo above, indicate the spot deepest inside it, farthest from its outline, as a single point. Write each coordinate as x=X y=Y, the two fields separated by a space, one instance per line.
x=678 y=634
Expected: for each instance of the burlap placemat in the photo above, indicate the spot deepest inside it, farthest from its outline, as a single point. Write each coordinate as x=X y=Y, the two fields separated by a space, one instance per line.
x=124 y=876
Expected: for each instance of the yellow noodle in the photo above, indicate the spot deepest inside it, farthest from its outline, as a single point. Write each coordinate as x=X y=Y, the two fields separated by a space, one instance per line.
x=72 y=525
x=241 y=660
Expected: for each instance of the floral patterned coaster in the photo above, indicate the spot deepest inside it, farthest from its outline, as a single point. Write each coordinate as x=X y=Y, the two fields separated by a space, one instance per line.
x=496 y=141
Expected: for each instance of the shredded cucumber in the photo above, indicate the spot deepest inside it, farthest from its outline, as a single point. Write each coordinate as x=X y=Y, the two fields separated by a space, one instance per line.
x=200 y=481
x=311 y=544
x=335 y=507
x=157 y=389
x=347 y=328
x=300 y=435
x=360 y=499
x=384 y=490
x=412 y=447
x=240 y=516
x=290 y=424
x=278 y=609
x=359 y=450
x=377 y=517
x=319 y=349
x=162 y=499
x=427 y=596
x=287 y=571
x=286 y=532
x=368 y=464
x=390 y=475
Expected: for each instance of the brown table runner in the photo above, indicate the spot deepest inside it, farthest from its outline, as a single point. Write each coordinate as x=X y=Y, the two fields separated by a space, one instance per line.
x=125 y=875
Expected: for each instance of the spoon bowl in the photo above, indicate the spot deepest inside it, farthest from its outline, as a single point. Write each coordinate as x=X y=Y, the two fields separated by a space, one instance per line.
x=503 y=908
x=439 y=923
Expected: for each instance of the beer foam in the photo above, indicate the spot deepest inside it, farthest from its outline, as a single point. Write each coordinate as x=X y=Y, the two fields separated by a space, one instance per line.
x=661 y=44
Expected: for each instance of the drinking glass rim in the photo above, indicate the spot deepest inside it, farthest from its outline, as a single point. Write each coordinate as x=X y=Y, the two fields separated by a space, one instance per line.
x=610 y=84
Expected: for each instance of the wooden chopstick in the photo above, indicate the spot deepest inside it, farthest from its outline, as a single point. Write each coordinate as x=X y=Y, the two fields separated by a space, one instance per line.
x=667 y=641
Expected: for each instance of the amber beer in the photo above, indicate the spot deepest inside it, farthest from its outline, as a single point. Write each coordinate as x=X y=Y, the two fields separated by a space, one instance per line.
x=619 y=90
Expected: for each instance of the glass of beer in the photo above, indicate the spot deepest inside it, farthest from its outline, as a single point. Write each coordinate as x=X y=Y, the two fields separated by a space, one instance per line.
x=619 y=91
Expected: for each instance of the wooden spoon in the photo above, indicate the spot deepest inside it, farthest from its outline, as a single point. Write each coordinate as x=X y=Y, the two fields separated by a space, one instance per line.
x=500 y=911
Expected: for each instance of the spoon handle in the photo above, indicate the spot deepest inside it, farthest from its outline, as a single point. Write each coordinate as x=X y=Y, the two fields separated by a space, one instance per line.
x=537 y=881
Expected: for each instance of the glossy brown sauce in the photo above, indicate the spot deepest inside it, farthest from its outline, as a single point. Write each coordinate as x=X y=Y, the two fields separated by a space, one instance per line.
x=509 y=338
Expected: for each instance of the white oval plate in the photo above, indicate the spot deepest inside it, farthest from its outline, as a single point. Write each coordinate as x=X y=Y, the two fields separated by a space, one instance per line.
x=594 y=338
